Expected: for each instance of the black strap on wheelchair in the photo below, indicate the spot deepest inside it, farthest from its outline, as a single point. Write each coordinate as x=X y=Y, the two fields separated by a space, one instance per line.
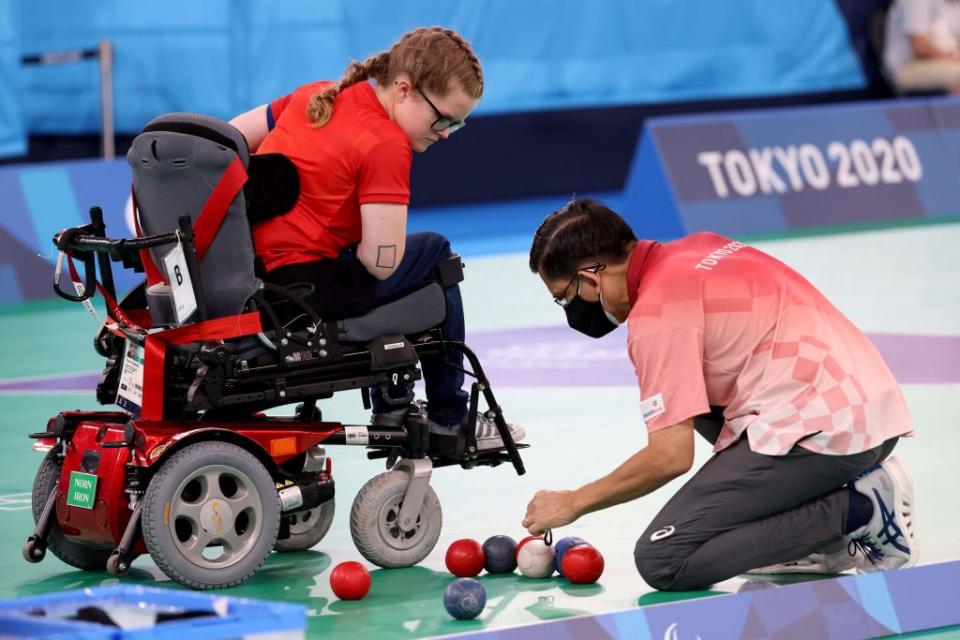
x=450 y=271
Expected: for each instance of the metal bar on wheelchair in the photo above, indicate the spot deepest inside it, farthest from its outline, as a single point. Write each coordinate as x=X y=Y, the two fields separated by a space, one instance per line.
x=440 y=346
x=374 y=437
x=103 y=260
x=494 y=407
x=185 y=225
x=470 y=436
x=116 y=249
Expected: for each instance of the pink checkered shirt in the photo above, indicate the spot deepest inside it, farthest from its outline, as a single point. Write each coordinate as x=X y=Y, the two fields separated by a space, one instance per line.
x=716 y=322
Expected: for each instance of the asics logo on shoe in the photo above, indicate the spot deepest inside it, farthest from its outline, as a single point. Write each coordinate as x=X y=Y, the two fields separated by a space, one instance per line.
x=891 y=530
x=660 y=534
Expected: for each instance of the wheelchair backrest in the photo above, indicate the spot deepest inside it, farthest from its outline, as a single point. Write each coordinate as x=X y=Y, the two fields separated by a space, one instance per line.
x=176 y=163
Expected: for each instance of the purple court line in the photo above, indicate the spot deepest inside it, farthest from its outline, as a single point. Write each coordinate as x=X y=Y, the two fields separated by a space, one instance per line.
x=560 y=357
x=71 y=382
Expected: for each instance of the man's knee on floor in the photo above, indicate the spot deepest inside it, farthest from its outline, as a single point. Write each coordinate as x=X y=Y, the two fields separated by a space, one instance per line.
x=657 y=568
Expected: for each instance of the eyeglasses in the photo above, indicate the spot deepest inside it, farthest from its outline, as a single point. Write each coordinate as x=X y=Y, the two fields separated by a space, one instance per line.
x=442 y=122
x=562 y=299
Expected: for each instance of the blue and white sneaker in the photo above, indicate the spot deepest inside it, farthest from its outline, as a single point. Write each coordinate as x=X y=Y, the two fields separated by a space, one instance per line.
x=888 y=541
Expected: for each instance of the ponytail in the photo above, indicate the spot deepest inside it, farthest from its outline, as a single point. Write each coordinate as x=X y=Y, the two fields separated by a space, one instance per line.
x=320 y=109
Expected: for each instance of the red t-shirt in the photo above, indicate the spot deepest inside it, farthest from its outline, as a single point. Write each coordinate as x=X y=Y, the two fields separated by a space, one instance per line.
x=359 y=156
x=717 y=322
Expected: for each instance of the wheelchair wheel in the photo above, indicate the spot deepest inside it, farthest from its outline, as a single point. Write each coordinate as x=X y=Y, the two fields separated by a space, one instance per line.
x=74 y=554
x=375 y=528
x=211 y=515
x=307 y=528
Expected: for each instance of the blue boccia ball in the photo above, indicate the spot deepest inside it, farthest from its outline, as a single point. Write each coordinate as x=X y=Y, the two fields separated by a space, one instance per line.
x=500 y=553
x=561 y=547
x=464 y=598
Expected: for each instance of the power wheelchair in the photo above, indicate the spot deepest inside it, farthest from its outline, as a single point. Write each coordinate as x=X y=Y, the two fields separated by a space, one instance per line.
x=191 y=470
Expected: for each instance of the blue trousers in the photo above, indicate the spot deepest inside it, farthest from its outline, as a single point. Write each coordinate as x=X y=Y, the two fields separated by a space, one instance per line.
x=446 y=400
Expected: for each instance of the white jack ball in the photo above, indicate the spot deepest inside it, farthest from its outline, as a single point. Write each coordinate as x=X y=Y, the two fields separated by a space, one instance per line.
x=536 y=559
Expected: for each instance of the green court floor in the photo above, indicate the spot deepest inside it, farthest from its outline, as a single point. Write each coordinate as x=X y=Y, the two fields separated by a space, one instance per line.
x=891 y=282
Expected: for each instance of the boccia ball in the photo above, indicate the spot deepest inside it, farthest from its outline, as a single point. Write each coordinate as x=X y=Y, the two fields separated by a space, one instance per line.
x=582 y=564
x=350 y=581
x=535 y=558
x=464 y=598
x=499 y=554
x=561 y=547
x=524 y=541
x=465 y=558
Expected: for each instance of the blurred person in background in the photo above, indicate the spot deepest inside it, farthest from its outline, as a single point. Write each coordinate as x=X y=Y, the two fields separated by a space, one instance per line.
x=922 y=45
x=352 y=142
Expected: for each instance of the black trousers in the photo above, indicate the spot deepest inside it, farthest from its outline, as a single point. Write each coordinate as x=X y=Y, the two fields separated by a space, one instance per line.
x=743 y=510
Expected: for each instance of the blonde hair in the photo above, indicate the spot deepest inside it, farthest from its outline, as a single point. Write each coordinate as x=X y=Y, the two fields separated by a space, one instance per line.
x=430 y=56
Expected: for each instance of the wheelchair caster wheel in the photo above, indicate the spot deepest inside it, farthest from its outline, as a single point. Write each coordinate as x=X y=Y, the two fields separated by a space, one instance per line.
x=117 y=565
x=375 y=527
x=34 y=551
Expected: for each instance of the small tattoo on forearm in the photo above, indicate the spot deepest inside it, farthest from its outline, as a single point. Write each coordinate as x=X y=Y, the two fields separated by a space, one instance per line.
x=387 y=256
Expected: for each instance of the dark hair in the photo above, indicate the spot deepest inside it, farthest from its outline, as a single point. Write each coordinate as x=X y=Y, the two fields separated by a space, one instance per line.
x=581 y=231
x=431 y=56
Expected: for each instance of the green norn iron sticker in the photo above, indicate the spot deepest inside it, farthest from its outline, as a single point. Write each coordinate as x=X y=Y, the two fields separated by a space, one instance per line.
x=82 y=490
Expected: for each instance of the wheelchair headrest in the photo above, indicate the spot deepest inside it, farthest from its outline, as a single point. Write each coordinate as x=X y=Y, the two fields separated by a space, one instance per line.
x=202 y=126
x=273 y=185
x=176 y=163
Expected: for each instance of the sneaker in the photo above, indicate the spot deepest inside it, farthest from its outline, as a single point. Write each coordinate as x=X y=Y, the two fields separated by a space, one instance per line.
x=888 y=540
x=828 y=563
x=488 y=437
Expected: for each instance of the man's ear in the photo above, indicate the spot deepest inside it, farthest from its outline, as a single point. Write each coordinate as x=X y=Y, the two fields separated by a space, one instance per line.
x=590 y=277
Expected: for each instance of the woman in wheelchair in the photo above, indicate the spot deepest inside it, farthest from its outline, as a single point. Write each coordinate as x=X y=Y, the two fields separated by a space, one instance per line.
x=351 y=143
x=198 y=351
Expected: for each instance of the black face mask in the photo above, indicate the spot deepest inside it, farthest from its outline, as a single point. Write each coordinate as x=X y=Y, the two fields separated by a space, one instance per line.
x=589 y=318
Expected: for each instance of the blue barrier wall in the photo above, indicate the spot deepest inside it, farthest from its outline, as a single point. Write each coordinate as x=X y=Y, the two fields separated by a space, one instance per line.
x=745 y=173
x=12 y=132
x=41 y=199
x=225 y=56
x=786 y=169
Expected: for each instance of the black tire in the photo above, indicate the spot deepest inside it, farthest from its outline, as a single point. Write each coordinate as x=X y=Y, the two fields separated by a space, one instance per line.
x=74 y=554
x=373 y=522
x=307 y=528
x=211 y=492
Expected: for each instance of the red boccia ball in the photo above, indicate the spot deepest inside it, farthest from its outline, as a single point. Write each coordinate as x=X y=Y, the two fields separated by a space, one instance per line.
x=350 y=581
x=465 y=558
x=516 y=553
x=582 y=564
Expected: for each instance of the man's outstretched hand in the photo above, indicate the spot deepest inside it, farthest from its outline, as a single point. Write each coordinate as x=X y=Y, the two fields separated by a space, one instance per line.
x=549 y=510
